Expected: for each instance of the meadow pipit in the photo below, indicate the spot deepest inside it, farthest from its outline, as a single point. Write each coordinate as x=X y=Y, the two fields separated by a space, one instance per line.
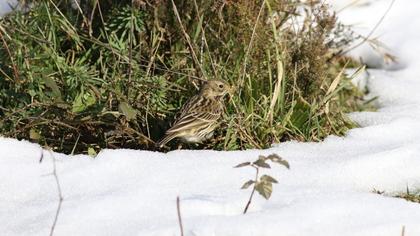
x=199 y=116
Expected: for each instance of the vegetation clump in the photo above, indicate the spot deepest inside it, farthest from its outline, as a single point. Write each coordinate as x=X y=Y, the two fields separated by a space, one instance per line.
x=83 y=75
x=409 y=195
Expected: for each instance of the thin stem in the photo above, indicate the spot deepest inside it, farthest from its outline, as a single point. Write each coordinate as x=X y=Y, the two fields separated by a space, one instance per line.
x=74 y=147
x=203 y=32
x=60 y=195
x=366 y=38
x=130 y=48
x=253 y=189
x=178 y=209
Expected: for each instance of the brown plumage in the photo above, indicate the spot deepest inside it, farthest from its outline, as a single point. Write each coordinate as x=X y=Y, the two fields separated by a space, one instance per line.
x=198 y=118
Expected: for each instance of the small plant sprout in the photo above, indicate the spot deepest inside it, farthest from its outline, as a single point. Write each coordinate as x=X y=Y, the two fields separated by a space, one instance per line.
x=264 y=184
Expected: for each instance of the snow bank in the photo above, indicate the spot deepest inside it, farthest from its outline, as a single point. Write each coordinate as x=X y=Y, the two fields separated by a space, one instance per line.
x=328 y=190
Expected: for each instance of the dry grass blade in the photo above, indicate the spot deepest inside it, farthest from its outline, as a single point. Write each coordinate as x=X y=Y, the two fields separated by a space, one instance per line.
x=187 y=38
x=251 y=40
x=336 y=80
x=277 y=91
x=280 y=70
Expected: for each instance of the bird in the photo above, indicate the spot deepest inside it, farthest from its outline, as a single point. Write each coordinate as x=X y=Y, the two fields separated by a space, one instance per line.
x=198 y=117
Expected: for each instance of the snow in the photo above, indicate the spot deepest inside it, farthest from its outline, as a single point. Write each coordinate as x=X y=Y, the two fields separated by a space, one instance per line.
x=327 y=191
x=5 y=6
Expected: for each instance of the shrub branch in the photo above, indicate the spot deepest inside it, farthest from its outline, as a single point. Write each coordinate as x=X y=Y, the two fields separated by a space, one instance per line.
x=60 y=195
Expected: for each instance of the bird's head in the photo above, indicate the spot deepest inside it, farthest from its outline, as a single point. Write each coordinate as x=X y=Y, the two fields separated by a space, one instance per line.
x=215 y=89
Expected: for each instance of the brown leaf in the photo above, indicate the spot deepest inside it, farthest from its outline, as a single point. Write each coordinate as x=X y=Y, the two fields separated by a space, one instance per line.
x=261 y=163
x=277 y=159
x=281 y=162
x=264 y=188
x=247 y=184
x=243 y=164
x=273 y=156
x=267 y=178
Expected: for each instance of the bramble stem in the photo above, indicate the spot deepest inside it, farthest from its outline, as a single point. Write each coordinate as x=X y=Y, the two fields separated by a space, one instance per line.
x=253 y=189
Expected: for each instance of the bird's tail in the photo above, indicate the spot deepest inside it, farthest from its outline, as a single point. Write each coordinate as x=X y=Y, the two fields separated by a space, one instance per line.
x=166 y=139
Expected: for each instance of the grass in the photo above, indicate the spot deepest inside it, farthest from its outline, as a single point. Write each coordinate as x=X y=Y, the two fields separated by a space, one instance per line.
x=113 y=74
x=411 y=196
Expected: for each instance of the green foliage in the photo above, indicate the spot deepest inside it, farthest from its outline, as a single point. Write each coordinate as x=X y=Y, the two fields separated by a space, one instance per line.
x=113 y=74
x=264 y=184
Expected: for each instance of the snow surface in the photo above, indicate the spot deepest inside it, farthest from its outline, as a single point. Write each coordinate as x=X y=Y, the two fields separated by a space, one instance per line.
x=328 y=190
x=5 y=6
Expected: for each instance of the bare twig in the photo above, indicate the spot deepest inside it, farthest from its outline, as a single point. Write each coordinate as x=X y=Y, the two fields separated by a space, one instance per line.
x=14 y=67
x=253 y=189
x=367 y=38
x=85 y=19
x=178 y=209
x=42 y=155
x=60 y=195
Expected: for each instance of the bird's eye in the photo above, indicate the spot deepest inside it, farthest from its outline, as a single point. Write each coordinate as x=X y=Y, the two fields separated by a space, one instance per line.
x=221 y=86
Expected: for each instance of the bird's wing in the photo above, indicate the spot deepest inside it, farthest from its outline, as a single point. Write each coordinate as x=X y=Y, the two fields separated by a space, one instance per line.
x=197 y=112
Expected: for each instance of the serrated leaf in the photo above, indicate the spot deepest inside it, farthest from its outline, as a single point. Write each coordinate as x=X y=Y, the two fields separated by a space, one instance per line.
x=261 y=163
x=267 y=178
x=129 y=112
x=243 y=164
x=264 y=188
x=92 y=152
x=247 y=184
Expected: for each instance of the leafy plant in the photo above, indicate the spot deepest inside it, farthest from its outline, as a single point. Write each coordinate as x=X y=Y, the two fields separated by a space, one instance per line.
x=264 y=184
